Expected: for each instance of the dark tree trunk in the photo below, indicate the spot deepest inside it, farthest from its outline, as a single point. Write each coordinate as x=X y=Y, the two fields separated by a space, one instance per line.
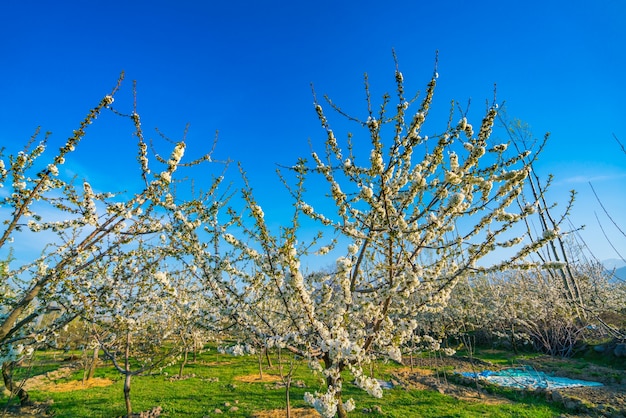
x=17 y=390
x=267 y=357
x=129 y=409
x=91 y=369
x=183 y=364
x=127 y=376
x=330 y=381
x=341 y=412
x=287 y=388
x=260 y=365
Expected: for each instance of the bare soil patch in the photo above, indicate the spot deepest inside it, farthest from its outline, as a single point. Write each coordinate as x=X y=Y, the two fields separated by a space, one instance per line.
x=214 y=363
x=48 y=382
x=281 y=413
x=94 y=382
x=255 y=378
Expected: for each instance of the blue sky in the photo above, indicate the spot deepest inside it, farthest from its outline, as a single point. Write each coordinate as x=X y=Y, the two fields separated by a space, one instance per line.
x=245 y=67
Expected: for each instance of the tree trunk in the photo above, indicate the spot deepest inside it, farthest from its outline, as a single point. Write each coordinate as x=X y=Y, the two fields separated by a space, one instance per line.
x=287 y=387
x=17 y=390
x=94 y=362
x=335 y=383
x=127 y=376
x=182 y=364
x=267 y=357
x=513 y=343
x=341 y=412
x=129 y=409
x=260 y=365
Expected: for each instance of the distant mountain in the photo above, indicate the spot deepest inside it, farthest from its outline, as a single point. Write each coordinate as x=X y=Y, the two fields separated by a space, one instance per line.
x=613 y=263
x=620 y=273
x=615 y=266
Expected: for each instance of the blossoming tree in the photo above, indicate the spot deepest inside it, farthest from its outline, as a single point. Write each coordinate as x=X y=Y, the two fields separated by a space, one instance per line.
x=556 y=304
x=412 y=216
x=81 y=227
x=130 y=301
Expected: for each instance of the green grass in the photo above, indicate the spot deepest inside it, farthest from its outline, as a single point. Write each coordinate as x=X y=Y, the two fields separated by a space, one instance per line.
x=214 y=385
x=500 y=357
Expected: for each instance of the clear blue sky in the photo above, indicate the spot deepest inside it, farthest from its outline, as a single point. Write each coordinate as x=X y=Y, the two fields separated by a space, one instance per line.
x=244 y=68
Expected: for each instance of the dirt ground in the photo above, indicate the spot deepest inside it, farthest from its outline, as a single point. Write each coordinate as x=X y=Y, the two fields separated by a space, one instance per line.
x=255 y=378
x=295 y=413
x=49 y=382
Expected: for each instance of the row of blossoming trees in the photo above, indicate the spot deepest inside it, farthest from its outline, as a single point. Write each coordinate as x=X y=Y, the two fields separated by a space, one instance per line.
x=406 y=216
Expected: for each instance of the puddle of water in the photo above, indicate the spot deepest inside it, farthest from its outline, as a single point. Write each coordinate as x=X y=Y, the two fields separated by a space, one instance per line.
x=528 y=378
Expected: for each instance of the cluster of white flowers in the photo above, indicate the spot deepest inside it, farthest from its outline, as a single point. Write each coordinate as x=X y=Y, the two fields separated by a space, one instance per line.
x=462 y=123
x=257 y=211
x=3 y=171
x=376 y=159
x=454 y=161
x=161 y=277
x=416 y=124
x=323 y=250
x=395 y=354
x=34 y=226
x=399 y=77
x=172 y=163
x=315 y=365
x=550 y=234
x=503 y=216
x=344 y=266
x=457 y=204
x=466 y=127
x=366 y=192
x=448 y=351
x=512 y=242
x=368 y=384
x=325 y=404
x=177 y=154
x=428 y=343
x=530 y=208
x=349 y=405
x=306 y=208
x=500 y=148
x=340 y=346
x=371 y=123
x=166 y=176
x=276 y=341
x=452 y=178
x=143 y=159
x=53 y=170
x=237 y=350
x=91 y=216
x=338 y=195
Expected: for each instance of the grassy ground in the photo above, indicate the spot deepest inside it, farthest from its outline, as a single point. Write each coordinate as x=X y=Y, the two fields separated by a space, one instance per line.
x=232 y=385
